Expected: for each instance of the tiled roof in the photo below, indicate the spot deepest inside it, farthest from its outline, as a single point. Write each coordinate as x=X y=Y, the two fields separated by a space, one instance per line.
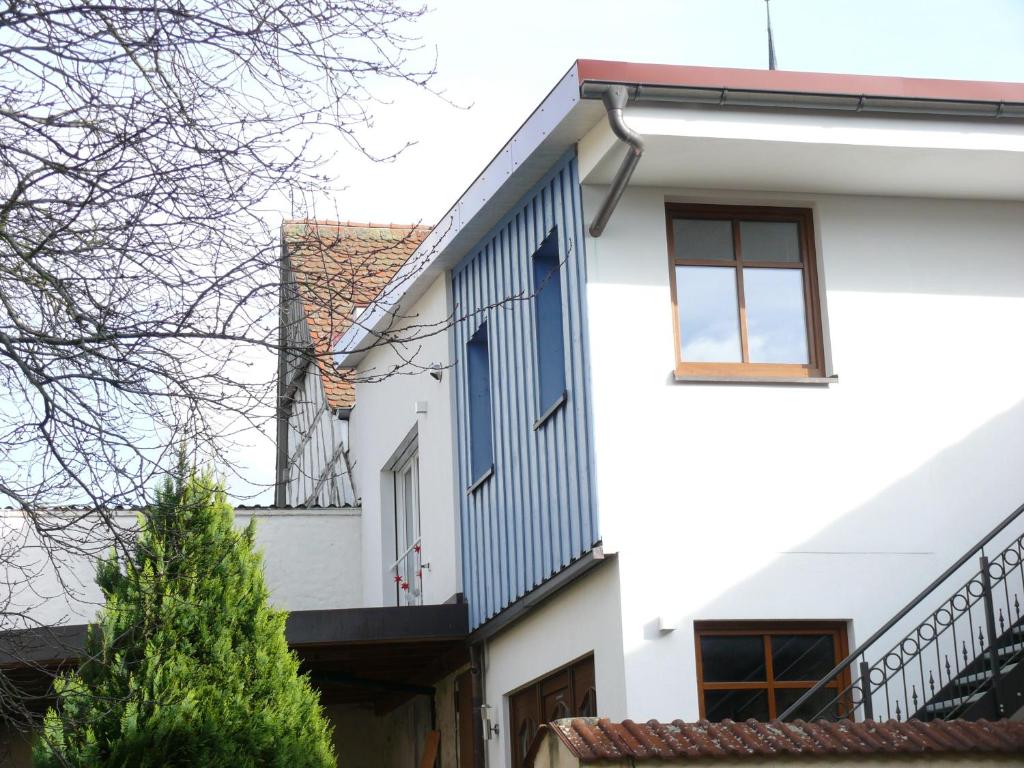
x=592 y=740
x=339 y=266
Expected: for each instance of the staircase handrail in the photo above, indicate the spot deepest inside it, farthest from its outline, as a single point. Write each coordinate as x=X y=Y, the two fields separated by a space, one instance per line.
x=914 y=603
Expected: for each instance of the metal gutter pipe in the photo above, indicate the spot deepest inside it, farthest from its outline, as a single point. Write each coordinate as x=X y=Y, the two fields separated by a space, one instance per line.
x=615 y=98
x=726 y=97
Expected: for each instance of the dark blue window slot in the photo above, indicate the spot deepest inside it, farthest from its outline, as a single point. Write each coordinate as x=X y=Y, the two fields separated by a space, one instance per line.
x=478 y=363
x=550 y=336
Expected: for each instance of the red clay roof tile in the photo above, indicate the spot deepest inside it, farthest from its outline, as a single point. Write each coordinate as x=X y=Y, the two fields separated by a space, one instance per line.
x=594 y=740
x=338 y=266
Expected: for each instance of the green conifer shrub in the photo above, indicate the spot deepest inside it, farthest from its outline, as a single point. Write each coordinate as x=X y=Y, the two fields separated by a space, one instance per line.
x=186 y=664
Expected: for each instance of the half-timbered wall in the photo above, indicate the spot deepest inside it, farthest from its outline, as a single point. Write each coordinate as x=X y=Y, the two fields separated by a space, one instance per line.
x=536 y=513
x=315 y=440
x=318 y=473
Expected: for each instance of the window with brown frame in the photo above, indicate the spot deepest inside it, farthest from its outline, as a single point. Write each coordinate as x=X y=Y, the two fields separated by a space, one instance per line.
x=744 y=292
x=759 y=669
x=568 y=692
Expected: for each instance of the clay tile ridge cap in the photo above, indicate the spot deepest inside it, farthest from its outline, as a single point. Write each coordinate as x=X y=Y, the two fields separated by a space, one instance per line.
x=593 y=740
x=354 y=224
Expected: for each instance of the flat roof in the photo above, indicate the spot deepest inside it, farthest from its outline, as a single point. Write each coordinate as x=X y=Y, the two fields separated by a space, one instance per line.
x=447 y=622
x=378 y=656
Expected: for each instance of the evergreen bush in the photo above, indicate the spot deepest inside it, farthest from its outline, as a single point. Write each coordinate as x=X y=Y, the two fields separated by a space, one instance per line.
x=186 y=665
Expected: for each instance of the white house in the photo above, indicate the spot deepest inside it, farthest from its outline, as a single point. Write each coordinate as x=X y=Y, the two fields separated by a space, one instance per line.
x=719 y=409
x=703 y=401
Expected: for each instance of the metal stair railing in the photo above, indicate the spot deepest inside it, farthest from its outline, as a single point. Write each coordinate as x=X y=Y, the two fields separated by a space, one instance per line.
x=917 y=670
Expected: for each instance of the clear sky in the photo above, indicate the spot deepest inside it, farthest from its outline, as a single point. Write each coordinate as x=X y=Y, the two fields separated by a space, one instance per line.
x=498 y=60
x=502 y=58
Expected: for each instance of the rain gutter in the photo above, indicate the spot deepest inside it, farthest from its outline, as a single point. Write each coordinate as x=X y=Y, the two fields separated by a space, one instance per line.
x=729 y=97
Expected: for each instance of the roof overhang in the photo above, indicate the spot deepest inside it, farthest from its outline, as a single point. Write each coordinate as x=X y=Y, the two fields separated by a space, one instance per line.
x=698 y=151
x=553 y=127
x=377 y=656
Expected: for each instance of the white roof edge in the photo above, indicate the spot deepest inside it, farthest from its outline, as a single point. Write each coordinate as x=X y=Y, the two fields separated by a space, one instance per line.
x=419 y=270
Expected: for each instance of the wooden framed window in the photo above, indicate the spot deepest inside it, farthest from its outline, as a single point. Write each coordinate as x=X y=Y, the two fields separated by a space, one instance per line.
x=759 y=669
x=567 y=692
x=744 y=292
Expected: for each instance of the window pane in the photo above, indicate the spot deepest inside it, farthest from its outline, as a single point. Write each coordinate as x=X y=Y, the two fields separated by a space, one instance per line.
x=732 y=658
x=408 y=498
x=736 y=705
x=478 y=364
x=702 y=239
x=823 y=704
x=708 y=314
x=770 y=241
x=776 y=321
x=549 y=337
x=802 y=657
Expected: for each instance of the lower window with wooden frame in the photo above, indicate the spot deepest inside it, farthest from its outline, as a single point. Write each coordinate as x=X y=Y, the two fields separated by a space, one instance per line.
x=567 y=692
x=759 y=669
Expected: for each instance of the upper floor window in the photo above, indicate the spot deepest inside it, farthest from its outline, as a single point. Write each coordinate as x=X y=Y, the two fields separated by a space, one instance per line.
x=549 y=339
x=478 y=372
x=744 y=292
x=759 y=669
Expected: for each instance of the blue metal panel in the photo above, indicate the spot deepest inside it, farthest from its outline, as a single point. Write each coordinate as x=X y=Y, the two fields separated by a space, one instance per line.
x=536 y=513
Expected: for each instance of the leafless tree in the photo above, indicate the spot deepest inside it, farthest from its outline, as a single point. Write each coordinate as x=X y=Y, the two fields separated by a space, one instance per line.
x=139 y=143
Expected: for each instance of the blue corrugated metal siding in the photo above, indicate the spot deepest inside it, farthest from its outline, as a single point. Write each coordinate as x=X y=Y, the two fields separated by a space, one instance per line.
x=536 y=513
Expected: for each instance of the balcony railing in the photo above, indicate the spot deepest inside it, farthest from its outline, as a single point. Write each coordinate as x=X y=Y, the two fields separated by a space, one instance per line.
x=407 y=573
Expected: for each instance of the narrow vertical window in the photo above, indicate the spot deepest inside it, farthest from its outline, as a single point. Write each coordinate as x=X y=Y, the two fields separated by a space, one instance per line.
x=408 y=568
x=478 y=364
x=550 y=336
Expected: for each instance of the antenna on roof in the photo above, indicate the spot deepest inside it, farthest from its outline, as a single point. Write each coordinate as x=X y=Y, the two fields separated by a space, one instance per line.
x=771 y=42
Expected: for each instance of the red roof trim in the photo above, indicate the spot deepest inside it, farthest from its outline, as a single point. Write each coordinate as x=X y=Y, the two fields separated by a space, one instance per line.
x=797 y=82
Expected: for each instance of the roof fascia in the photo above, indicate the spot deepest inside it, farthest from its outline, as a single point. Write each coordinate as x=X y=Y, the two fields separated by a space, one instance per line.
x=539 y=142
x=803 y=90
x=795 y=89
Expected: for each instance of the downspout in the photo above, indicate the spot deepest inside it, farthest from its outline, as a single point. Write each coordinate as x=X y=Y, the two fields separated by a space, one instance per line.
x=615 y=99
x=476 y=664
x=281 y=416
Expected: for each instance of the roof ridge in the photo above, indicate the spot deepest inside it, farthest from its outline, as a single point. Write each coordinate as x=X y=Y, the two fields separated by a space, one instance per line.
x=354 y=224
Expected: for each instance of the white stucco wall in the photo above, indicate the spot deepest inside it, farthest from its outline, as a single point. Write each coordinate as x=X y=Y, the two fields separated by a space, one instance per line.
x=312 y=560
x=382 y=421
x=581 y=619
x=792 y=502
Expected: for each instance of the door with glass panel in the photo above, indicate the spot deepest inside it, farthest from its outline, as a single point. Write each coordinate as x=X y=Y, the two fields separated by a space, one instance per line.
x=408 y=566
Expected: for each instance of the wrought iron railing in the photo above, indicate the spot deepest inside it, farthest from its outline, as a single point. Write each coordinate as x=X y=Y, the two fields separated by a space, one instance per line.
x=948 y=662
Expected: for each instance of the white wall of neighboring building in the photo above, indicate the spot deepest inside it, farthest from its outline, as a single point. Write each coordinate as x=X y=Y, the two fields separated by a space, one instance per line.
x=384 y=419
x=581 y=619
x=733 y=501
x=311 y=558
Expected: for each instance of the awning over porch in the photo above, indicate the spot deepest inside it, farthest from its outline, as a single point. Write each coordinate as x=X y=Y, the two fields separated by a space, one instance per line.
x=379 y=656
x=375 y=656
